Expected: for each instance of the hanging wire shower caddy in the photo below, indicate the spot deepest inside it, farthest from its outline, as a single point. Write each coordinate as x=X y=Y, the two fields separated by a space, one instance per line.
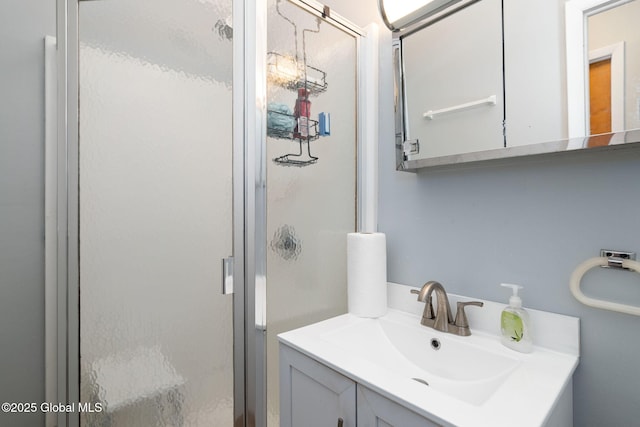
x=290 y=73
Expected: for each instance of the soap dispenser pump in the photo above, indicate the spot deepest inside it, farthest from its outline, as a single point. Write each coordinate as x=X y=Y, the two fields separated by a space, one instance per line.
x=514 y=323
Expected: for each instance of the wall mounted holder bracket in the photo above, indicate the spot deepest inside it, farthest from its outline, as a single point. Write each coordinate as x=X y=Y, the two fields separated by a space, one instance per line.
x=615 y=258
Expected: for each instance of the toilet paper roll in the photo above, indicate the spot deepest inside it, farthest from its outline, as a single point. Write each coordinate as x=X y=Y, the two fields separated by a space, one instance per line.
x=367 y=274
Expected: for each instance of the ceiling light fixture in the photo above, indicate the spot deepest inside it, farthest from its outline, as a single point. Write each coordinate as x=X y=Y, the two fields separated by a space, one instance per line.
x=399 y=14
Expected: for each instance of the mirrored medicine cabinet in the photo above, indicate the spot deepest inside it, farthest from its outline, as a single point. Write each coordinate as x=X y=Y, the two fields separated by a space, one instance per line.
x=479 y=80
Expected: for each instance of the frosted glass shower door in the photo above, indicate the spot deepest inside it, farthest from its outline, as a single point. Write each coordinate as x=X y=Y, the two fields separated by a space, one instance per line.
x=156 y=333
x=311 y=174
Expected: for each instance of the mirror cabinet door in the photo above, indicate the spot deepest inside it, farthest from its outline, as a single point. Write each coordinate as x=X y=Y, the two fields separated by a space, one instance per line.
x=454 y=83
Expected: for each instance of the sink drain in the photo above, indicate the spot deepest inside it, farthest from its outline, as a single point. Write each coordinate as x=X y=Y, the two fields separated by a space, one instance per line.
x=435 y=344
x=421 y=381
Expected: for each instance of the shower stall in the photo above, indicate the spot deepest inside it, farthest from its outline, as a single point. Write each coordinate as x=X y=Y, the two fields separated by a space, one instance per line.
x=214 y=164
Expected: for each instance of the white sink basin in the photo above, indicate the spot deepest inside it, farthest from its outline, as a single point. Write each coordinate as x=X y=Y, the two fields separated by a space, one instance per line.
x=469 y=381
x=460 y=366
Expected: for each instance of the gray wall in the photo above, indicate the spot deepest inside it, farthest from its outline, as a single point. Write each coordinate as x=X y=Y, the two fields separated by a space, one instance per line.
x=530 y=222
x=23 y=25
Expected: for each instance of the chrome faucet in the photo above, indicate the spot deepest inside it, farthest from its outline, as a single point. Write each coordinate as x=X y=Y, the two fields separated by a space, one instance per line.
x=443 y=320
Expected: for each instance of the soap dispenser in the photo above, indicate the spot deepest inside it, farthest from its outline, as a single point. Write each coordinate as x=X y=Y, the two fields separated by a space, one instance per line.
x=515 y=324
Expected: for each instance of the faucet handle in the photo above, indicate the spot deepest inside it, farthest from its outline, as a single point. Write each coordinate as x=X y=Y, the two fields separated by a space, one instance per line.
x=461 y=317
x=428 y=311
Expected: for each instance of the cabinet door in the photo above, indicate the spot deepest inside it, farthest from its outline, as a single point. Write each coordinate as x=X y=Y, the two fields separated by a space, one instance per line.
x=375 y=410
x=312 y=395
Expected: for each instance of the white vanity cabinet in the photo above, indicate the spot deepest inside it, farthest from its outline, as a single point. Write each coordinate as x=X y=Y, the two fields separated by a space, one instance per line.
x=312 y=394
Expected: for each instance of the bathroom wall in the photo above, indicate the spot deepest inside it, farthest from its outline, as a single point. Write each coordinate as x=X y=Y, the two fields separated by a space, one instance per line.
x=528 y=221
x=23 y=25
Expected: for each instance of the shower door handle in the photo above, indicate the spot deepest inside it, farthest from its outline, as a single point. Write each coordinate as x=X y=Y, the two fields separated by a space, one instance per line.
x=227 y=275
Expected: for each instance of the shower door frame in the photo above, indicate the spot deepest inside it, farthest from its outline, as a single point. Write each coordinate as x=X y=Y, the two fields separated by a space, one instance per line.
x=256 y=166
x=67 y=357
x=249 y=194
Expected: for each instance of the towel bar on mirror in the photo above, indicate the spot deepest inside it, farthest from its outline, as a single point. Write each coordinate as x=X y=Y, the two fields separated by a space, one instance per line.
x=431 y=114
x=602 y=261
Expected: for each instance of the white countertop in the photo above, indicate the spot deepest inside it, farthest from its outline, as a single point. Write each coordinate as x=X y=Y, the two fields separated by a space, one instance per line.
x=525 y=398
